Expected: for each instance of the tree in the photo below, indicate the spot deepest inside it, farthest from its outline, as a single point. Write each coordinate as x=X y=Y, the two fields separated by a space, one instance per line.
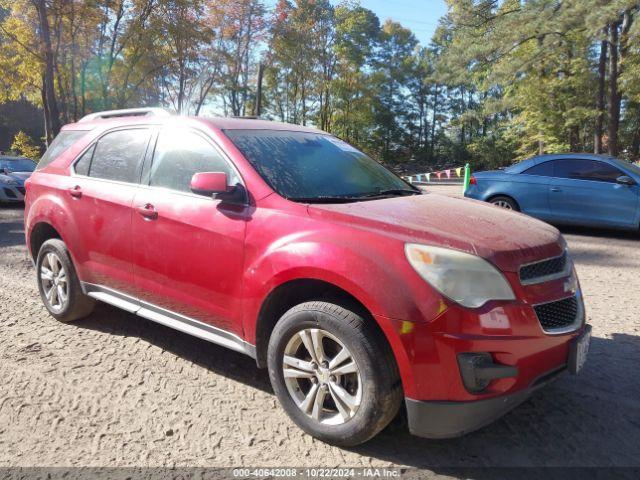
x=393 y=70
x=24 y=146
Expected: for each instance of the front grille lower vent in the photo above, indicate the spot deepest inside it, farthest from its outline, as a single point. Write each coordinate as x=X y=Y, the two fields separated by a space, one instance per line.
x=558 y=315
x=544 y=270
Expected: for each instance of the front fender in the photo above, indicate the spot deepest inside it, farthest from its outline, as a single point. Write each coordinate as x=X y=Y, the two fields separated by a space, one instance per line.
x=370 y=267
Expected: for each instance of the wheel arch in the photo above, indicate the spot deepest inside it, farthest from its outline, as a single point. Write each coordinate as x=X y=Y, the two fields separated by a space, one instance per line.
x=40 y=233
x=294 y=292
x=496 y=195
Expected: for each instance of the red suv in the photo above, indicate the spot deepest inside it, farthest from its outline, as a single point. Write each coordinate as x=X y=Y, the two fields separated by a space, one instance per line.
x=358 y=292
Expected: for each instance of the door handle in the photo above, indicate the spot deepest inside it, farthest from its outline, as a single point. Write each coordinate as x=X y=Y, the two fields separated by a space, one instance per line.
x=75 y=192
x=556 y=189
x=148 y=211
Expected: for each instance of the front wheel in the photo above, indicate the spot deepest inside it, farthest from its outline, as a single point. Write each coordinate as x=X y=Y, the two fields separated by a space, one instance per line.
x=333 y=373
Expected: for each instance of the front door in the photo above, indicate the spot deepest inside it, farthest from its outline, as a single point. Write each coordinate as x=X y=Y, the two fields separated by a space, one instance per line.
x=586 y=192
x=188 y=248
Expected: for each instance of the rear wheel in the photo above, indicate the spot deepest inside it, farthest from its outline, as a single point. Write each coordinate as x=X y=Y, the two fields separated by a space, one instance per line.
x=507 y=203
x=59 y=285
x=333 y=374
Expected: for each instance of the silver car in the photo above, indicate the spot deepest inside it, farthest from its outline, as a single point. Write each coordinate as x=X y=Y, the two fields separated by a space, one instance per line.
x=14 y=171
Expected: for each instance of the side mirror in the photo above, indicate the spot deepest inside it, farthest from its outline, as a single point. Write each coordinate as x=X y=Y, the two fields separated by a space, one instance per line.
x=625 y=180
x=209 y=183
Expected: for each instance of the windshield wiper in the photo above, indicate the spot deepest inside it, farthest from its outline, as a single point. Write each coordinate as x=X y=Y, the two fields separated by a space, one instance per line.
x=324 y=199
x=393 y=191
x=355 y=198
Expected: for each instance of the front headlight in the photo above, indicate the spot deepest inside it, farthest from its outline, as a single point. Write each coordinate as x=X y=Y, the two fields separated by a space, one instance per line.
x=8 y=181
x=466 y=279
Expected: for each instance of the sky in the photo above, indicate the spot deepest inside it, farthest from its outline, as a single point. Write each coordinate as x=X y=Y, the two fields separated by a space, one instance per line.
x=421 y=16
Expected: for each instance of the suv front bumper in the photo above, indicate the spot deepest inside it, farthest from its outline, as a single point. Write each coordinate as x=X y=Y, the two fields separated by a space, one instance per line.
x=453 y=419
x=449 y=419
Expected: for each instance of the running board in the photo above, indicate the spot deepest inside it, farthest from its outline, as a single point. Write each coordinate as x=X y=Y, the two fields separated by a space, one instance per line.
x=169 y=319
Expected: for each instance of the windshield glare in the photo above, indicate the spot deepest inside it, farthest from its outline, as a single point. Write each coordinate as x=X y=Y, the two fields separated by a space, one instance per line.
x=308 y=166
x=17 y=165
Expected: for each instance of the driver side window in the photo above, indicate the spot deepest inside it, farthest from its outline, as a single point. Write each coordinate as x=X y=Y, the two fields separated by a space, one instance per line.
x=578 y=169
x=179 y=154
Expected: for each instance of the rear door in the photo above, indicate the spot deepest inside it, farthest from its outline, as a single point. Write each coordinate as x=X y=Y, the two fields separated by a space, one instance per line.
x=105 y=179
x=585 y=191
x=188 y=248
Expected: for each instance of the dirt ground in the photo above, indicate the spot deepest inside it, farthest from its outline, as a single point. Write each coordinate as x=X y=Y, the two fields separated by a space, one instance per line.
x=117 y=390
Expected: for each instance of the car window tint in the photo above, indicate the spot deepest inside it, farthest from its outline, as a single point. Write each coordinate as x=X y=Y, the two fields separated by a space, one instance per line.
x=301 y=165
x=179 y=154
x=63 y=141
x=118 y=154
x=544 y=169
x=579 y=169
x=84 y=162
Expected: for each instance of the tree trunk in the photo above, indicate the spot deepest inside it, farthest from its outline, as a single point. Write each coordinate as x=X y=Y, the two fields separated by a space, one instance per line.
x=46 y=116
x=258 y=103
x=614 y=97
x=432 y=144
x=49 y=100
x=600 y=101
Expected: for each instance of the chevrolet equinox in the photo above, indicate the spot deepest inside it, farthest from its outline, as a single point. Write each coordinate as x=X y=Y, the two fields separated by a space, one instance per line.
x=358 y=292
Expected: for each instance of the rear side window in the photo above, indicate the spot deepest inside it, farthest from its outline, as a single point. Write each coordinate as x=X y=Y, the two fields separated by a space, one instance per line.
x=593 y=170
x=84 y=162
x=63 y=141
x=117 y=155
x=544 y=169
x=179 y=154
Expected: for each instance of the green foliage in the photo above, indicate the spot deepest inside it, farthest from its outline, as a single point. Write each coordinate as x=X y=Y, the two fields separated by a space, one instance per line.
x=501 y=79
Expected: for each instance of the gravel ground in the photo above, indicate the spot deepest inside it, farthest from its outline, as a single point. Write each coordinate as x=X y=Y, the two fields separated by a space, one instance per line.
x=116 y=390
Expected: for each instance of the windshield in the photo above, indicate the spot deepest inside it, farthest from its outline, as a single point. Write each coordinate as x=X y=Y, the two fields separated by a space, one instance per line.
x=312 y=167
x=630 y=166
x=16 y=165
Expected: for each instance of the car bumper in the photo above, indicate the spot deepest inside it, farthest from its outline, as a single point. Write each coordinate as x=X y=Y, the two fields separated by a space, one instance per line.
x=11 y=193
x=449 y=419
x=439 y=420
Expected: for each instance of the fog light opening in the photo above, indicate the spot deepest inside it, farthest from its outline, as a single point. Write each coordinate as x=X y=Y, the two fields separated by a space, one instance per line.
x=478 y=370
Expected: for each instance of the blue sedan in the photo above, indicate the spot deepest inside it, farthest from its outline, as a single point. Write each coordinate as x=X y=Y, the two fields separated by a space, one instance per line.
x=572 y=189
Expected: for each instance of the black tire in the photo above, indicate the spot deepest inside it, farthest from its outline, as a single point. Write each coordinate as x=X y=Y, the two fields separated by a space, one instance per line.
x=505 y=202
x=77 y=305
x=381 y=393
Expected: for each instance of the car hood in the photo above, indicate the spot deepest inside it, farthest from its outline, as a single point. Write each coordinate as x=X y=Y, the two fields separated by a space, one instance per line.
x=505 y=238
x=19 y=177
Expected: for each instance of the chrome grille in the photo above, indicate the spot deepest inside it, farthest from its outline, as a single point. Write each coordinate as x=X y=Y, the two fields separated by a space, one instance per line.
x=544 y=270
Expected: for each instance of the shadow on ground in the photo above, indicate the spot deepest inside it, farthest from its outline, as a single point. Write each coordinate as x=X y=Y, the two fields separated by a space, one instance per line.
x=588 y=420
x=600 y=248
x=11 y=225
x=215 y=358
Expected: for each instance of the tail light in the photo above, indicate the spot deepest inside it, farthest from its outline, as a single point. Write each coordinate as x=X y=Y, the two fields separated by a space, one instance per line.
x=473 y=181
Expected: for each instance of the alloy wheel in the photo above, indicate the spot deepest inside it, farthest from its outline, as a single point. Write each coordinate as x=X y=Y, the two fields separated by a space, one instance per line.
x=322 y=376
x=55 y=285
x=502 y=204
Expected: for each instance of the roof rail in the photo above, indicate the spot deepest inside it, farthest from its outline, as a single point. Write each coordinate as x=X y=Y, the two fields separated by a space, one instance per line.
x=128 y=112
